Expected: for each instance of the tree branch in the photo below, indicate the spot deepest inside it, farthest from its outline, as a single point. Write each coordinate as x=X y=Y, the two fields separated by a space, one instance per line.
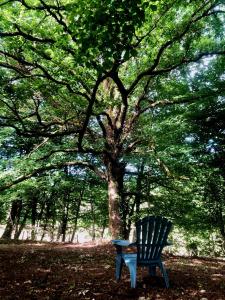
x=182 y=99
x=89 y=109
x=14 y=68
x=185 y=61
x=36 y=65
x=137 y=112
x=108 y=119
x=123 y=93
x=38 y=133
x=59 y=20
x=139 y=40
x=104 y=132
x=68 y=151
x=62 y=7
x=166 y=45
x=27 y=36
x=51 y=78
x=43 y=169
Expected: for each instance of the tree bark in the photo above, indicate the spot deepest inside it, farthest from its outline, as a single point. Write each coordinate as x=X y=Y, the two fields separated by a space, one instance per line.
x=139 y=190
x=64 y=222
x=22 y=225
x=34 y=201
x=116 y=172
x=75 y=220
x=115 y=224
x=93 y=231
x=12 y=219
x=77 y=212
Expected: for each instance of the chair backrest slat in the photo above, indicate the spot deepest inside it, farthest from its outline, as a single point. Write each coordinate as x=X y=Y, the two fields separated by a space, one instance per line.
x=152 y=233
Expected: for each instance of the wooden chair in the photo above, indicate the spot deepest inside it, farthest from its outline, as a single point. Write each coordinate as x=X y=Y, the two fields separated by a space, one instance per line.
x=152 y=233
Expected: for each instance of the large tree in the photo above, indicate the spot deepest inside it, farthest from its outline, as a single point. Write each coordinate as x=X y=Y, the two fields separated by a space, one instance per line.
x=85 y=79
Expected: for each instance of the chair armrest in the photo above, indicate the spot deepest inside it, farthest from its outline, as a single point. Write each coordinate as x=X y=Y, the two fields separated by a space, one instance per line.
x=119 y=244
x=122 y=243
x=133 y=244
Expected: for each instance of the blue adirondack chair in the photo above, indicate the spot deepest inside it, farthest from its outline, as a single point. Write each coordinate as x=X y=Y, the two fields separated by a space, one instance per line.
x=152 y=233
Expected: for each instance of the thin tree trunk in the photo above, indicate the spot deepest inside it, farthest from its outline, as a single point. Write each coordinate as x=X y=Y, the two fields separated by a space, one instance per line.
x=75 y=223
x=93 y=234
x=77 y=213
x=103 y=231
x=139 y=190
x=65 y=222
x=33 y=217
x=128 y=206
x=74 y=231
x=104 y=225
x=52 y=232
x=7 y=234
x=44 y=229
x=45 y=212
x=22 y=225
x=13 y=218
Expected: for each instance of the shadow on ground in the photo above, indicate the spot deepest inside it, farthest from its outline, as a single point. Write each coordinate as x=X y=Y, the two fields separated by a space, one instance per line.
x=56 y=271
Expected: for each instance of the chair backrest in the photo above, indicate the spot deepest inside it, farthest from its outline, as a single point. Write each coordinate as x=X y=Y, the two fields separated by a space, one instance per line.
x=152 y=233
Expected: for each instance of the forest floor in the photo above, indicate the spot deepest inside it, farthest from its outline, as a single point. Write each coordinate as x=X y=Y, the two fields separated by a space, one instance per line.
x=86 y=271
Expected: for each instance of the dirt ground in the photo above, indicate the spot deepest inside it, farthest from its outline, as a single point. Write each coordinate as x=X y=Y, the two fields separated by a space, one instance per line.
x=86 y=271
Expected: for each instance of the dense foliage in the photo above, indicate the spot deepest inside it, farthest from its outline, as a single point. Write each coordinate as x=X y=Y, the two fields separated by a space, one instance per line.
x=129 y=91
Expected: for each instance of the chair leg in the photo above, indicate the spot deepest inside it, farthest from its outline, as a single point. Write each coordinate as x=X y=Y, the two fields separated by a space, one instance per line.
x=131 y=263
x=119 y=266
x=165 y=276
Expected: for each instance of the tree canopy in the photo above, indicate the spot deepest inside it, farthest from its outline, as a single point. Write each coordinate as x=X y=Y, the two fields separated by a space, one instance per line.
x=87 y=85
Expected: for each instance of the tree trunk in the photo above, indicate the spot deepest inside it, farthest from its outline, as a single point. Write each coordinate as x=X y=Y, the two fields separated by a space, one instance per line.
x=77 y=212
x=93 y=231
x=103 y=231
x=115 y=172
x=75 y=220
x=64 y=223
x=139 y=190
x=44 y=230
x=8 y=229
x=33 y=217
x=22 y=225
x=112 y=131
x=115 y=223
x=12 y=219
x=129 y=203
x=45 y=212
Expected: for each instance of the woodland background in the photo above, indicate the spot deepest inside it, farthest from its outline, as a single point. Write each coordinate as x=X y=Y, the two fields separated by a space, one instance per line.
x=109 y=112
